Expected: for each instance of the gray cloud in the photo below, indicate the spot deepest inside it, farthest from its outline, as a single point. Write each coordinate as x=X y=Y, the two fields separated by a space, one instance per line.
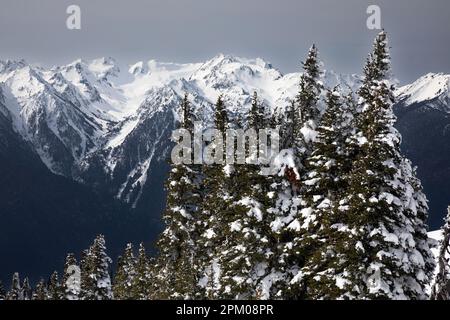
x=194 y=30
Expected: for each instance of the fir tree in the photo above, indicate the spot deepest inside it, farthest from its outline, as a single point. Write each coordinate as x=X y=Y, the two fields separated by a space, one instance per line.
x=87 y=281
x=101 y=261
x=326 y=234
x=244 y=251
x=15 y=292
x=71 y=278
x=286 y=122
x=26 y=289
x=221 y=116
x=178 y=242
x=382 y=222
x=40 y=292
x=95 y=278
x=2 y=292
x=124 y=277
x=54 y=289
x=307 y=111
x=288 y=211
x=142 y=286
x=217 y=185
x=441 y=286
x=257 y=116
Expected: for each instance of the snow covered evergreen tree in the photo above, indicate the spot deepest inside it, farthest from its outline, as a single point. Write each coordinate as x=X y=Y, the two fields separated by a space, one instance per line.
x=257 y=116
x=15 y=291
x=286 y=125
x=381 y=258
x=221 y=118
x=71 y=281
x=285 y=204
x=441 y=285
x=95 y=278
x=87 y=282
x=216 y=201
x=244 y=250
x=125 y=273
x=326 y=232
x=2 y=292
x=288 y=212
x=40 y=292
x=26 y=289
x=101 y=261
x=142 y=286
x=178 y=243
x=54 y=289
x=307 y=109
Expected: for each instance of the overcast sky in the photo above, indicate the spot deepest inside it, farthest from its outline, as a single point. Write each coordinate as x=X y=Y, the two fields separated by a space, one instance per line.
x=279 y=31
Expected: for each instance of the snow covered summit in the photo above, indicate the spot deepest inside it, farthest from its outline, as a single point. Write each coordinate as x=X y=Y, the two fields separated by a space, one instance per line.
x=427 y=88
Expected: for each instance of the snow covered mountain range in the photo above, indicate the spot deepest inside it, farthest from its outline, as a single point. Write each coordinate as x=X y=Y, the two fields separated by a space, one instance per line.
x=87 y=123
x=431 y=87
x=106 y=129
x=423 y=119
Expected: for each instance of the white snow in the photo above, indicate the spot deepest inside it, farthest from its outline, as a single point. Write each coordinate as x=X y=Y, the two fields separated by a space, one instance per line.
x=209 y=234
x=228 y=170
x=341 y=282
x=309 y=133
x=425 y=88
x=435 y=235
x=254 y=207
x=285 y=159
x=235 y=226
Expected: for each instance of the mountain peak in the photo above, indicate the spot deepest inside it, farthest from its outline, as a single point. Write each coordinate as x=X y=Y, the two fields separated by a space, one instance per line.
x=104 y=67
x=100 y=68
x=225 y=59
x=426 y=88
x=138 y=68
x=11 y=65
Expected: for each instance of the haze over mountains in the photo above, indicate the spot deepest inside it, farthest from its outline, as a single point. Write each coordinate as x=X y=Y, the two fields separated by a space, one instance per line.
x=84 y=147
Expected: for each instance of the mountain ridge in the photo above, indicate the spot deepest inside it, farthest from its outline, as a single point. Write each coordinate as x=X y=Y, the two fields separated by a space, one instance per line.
x=79 y=118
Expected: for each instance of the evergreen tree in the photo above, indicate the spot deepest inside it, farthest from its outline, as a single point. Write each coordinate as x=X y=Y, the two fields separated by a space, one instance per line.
x=257 y=117
x=285 y=204
x=441 y=286
x=95 y=278
x=221 y=120
x=178 y=242
x=2 y=292
x=87 y=283
x=217 y=200
x=26 y=289
x=71 y=278
x=243 y=253
x=124 y=277
x=40 y=292
x=142 y=286
x=288 y=212
x=54 y=289
x=286 y=123
x=15 y=291
x=307 y=110
x=382 y=260
x=101 y=262
x=326 y=234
